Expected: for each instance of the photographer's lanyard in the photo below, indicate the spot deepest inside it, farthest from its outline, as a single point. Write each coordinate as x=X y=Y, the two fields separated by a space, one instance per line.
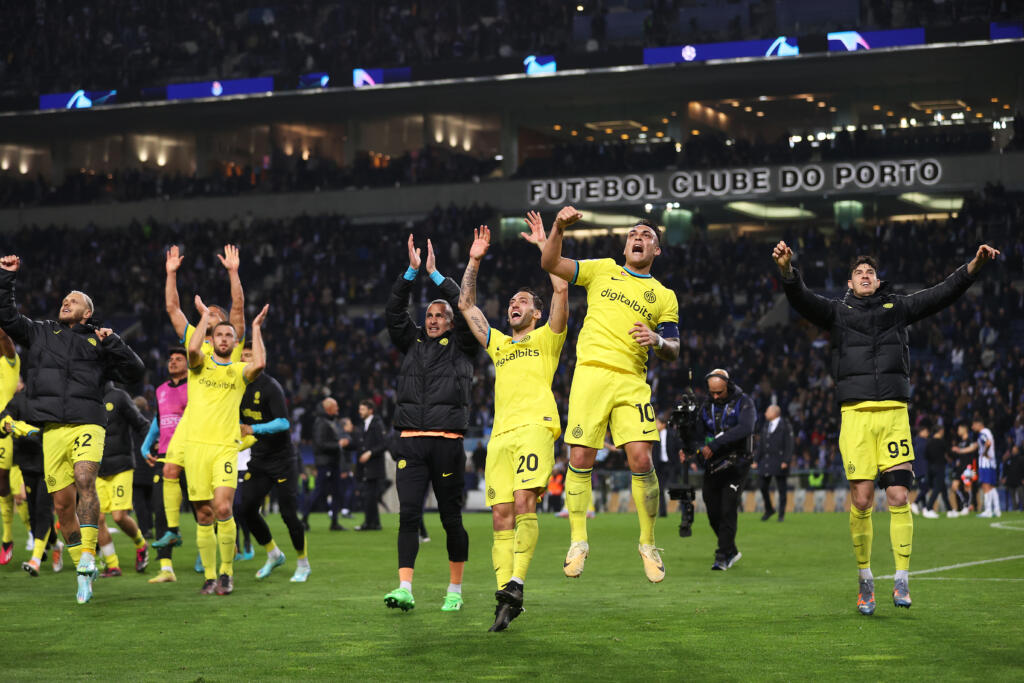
x=725 y=412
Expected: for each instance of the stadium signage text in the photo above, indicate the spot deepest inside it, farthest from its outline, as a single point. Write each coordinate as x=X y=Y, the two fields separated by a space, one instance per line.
x=737 y=182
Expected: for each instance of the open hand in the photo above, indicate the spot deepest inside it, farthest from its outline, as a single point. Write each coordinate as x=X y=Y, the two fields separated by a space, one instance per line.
x=414 y=255
x=481 y=240
x=536 y=234
x=431 y=267
x=230 y=258
x=258 y=320
x=174 y=259
x=200 y=306
x=643 y=335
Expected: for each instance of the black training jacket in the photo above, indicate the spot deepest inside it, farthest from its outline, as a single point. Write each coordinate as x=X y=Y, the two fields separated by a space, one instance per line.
x=436 y=375
x=123 y=418
x=68 y=365
x=870 y=348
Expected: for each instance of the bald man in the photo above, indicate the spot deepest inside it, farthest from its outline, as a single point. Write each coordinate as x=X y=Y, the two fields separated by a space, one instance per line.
x=728 y=418
x=774 y=453
x=327 y=447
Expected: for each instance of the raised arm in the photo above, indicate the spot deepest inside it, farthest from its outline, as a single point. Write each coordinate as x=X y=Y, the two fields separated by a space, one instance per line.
x=551 y=258
x=815 y=308
x=171 y=301
x=236 y=317
x=467 y=298
x=12 y=322
x=259 y=353
x=7 y=349
x=559 y=313
x=195 y=344
x=932 y=300
x=401 y=328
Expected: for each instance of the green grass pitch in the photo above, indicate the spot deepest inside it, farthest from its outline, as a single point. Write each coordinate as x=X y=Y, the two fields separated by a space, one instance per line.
x=785 y=612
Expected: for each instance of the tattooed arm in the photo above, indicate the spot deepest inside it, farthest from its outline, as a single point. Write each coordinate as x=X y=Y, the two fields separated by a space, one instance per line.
x=467 y=299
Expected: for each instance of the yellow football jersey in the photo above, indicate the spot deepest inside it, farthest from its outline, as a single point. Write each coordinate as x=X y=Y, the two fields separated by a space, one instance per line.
x=616 y=299
x=523 y=371
x=10 y=369
x=214 y=397
x=236 y=353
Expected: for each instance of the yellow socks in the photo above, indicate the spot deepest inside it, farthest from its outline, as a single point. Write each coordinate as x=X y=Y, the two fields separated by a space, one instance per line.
x=503 y=554
x=110 y=556
x=526 y=533
x=270 y=546
x=578 y=492
x=75 y=551
x=139 y=541
x=7 y=510
x=23 y=514
x=861 y=532
x=166 y=565
x=89 y=536
x=206 y=541
x=303 y=554
x=901 y=534
x=226 y=534
x=645 y=497
x=172 y=502
x=39 y=547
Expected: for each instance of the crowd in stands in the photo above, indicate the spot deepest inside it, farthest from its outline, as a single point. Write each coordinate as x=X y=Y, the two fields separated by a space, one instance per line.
x=434 y=164
x=128 y=45
x=282 y=174
x=325 y=331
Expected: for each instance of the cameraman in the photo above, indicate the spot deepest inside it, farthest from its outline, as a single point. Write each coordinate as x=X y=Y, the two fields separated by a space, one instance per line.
x=728 y=420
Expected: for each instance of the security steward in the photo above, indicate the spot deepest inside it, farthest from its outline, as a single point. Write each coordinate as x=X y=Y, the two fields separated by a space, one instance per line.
x=728 y=419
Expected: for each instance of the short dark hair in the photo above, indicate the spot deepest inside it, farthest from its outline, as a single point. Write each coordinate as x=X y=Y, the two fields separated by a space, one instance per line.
x=247 y=346
x=177 y=350
x=538 y=303
x=652 y=225
x=222 y=323
x=863 y=258
x=368 y=403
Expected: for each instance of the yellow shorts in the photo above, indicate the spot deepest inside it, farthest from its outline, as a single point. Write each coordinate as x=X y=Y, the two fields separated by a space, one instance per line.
x=600 y=395
x=209 y=467
x=176 y=446
x=65 y=445
x=115 y=491
x=6 y=453
x=874 y=439
x=521 y=458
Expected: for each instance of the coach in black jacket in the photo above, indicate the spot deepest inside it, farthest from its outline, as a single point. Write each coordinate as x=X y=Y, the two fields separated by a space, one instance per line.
x=69 y=362
x=774 y=453
x=871 y=367
x=370 y=465
x=431 y=416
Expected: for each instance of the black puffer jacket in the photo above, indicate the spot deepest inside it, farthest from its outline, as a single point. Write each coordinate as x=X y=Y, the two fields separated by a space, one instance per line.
x=123 y=421
x=68 y=365
x=436 y=376
x=28 y=450
x=870 y=347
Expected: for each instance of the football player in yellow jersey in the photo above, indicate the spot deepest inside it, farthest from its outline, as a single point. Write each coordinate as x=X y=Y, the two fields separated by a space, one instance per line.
x=628 y=314
x=521 y=452
x=10 y=368
x=175 y=458
x=215 y=388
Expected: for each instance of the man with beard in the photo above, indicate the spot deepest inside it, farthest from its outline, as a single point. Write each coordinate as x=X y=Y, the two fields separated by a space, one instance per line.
x=521 y=452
